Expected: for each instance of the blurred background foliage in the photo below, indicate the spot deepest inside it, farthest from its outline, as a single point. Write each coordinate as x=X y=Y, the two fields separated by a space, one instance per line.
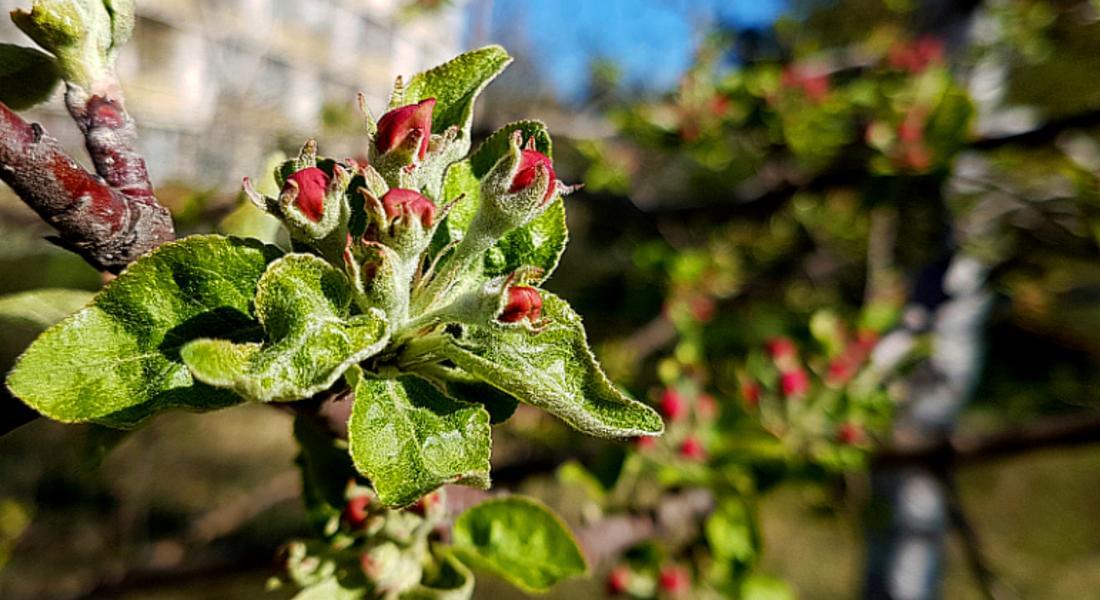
x=792 y=183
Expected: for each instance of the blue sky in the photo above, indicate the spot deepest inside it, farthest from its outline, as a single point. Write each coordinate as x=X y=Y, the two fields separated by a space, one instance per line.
x=652 y=40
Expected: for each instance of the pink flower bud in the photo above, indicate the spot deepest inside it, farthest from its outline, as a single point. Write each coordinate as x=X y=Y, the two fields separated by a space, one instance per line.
x=357 y=511
x=399 y=201
x=523 y=302
x=618 y=580
x=781 y=348
x=794 y=382
x=849 y=433
x=529 y=164
x=427 y=505
x=311 y=183
x=674 y=580
x=692 y=449
x=673 y=406
x=398 y=124
x=645 y=443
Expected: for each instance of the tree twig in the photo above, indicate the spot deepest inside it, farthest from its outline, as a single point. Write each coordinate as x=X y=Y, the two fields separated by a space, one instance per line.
x=109 y=227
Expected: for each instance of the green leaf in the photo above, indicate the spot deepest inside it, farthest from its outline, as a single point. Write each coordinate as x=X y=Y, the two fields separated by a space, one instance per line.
x=303 y=304
x=500 y=405
x=27 y=76
x=455 y=85
x=555 y=371
x=330 y=589
x=43 y=307
x=540 y=243
x=409 y=439
x=520 y=540
x=117 y=361
x=450 y=580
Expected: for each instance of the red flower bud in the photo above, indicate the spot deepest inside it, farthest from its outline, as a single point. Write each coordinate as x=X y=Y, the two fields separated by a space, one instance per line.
x=692 y=449
x=794 y=382
x=529 y=164
x=618 y=580
x=311 y=183
x=399 y=201
x=426 y=504
x=780 y=348
x=849 y=433
x=645 y=443
x=398 y=124
x=750 y=393
x=672 y=405
x=674 y=580
x=357 y=511
x=523 y=302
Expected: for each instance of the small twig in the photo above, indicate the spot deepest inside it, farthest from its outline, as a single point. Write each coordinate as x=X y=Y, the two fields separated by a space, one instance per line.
x=109 y=227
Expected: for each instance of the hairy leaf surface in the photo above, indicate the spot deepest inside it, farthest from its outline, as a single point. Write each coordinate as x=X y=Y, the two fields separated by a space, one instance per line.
x=304 y=306
x=117 y=361
x=409 y=439
x=555 y=371
x=540 y=243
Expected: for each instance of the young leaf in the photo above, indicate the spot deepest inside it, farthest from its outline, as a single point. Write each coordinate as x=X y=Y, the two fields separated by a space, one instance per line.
x=540 y=243
x=27 y=76
x=520 y=540
x=117 y=361
x=409 y=439
x=555 y=371
x=303 y=304
x=455 y=85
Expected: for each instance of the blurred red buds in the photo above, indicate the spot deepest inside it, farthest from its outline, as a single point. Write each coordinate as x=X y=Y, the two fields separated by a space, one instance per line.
x=523 y=302
x=618 y=580
x=530 y=162
x=781 y=348
x=672 y=405
x=814 y=84
x=398 y=202
x=356 y=511
x=916 y=56
x=849 y=433
x=750 y=394
x=311 y=183
x=674 y=580
x=692 y=449
x=398 y=124
x=794 y=383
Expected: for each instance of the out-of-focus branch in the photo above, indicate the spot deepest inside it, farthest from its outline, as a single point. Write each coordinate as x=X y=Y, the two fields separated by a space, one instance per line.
x=1041 y=434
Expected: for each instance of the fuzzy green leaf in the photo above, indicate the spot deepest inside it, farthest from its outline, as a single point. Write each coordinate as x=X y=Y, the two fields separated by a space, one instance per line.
x=455 y=85
x=117 y=361
x=555 y=371
x=303 y=304
x=27 y=76
x=540 y=243
x=409 y=439
x=520 y=540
